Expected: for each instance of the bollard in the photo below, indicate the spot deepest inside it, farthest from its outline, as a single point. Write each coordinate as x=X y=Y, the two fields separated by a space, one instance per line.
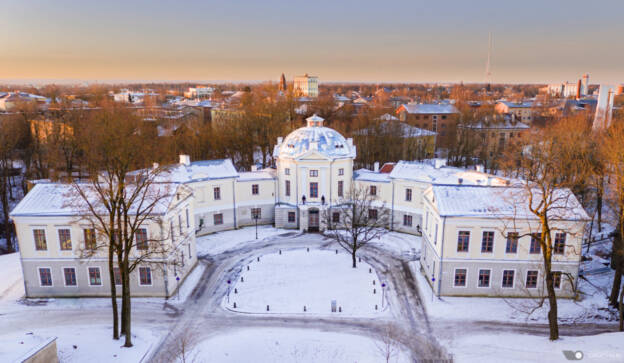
x=242 y=279
x=267 y=307
x=374 y=291
x=375 y=307
x=340 y=309
x=234 y=305
x=336 y=251
x=370 y=270
x=247 y=268
x=258 y=259
x=373 y=282
x=308 y=249
x=280 y=252
x=359 y=259
x=236 y=291
x=304 y=308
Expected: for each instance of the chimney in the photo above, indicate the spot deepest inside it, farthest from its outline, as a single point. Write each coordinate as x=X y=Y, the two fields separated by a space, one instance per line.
x=438 y=163
x=376 y=167
x=350 y=141
x=254 y=167
x=185 y=159
x=460 y=181
x=280 y=140
x=155 y=166
x=479 y=168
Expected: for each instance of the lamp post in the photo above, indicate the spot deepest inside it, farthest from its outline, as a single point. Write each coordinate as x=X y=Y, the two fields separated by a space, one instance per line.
x=178 y=280
x=383 y=293
x=255 y=217
x=228 y=291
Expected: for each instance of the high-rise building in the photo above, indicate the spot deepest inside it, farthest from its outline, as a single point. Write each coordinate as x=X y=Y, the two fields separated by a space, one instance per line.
x=307 y=85
x=282 y=83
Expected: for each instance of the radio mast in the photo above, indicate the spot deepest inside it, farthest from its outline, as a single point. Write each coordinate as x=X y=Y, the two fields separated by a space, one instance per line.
x=488 y=71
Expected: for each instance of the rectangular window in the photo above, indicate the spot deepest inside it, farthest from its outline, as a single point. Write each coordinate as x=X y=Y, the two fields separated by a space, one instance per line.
x=45 y=276
x=408 y=195
x=460 y=277
x=463 y=241
x=218 y=218
x=508 y=278
x=89 y=238
x=313 y=173
x=535 y=243
x=256 y=213
x=291 y=217
x=287 y=188
x=372 y=214
x=407 y=220
x=531 y=279
x=512 y=242
x=95 y=279
x=70 y=276
x=287 y=171
x=340 y=188
x=373 y=190
x=65 y=239
x=145 y=276
x=141 y=239
x=255 y=189
x=217 y=193
x=188 y=223
x=314 y=190
x=117 y=275
x=556 y=279
x=559 y=246
x=40 y=239
x=336 y=217
x=341 y=171
x=484 y=278
x=487 y=243
x=180 y=224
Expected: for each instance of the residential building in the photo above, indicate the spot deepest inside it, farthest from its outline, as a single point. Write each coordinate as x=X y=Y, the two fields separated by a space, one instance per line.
x=55 y=239
x=496 y=133
x=199 y=92
x=306 y=85
x=440 y=118
x=522 y=110
x=480 y=241
x=9 y=101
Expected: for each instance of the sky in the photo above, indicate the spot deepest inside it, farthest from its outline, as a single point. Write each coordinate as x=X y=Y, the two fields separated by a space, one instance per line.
x=341 y=40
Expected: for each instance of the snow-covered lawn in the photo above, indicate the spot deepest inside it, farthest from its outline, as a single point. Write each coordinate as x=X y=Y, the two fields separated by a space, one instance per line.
x=399 y=243
x=80 y=343
x=298 y=278
x=507 y=347
x=11 y=281
x=216 y=243
x=291 y=345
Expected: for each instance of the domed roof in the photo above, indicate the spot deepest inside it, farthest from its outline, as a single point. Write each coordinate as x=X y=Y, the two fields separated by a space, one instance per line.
x=315 y=136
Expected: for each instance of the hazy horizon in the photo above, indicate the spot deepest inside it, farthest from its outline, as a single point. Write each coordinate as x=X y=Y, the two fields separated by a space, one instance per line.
x=352 y=41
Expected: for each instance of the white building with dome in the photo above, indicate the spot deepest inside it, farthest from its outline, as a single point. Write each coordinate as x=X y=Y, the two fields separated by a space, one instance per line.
x=459 y=213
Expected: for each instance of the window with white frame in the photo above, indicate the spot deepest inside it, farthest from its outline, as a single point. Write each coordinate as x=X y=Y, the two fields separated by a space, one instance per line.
x=65 y=239
x=512 y=242
x=341 y=171
x=407 y=220
x=408 y=195
x=373 y=190
x=508 y=278
x=559 y=246
x=218 y=218
x=291 y=217
x=70 y=276
x=217 y=193
x=531 y=279
x=255 y=189
x=340 y=188
x=313 y=173
x=463 y=241
x=287 y=188
x=484 y=278
x=460 y=277
x=40 y=239
x=117 y=275
x=89 y=238
x=287 y=171
x=145 y=276
x=95 y=278
x=141 y=239
x=487 y=242
x=556 y=279
x=45 y=276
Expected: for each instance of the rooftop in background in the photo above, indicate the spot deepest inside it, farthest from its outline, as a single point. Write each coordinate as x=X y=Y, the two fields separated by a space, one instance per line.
x=510 y=104
x=437 y=173
x=429 y=108
x=187 y=172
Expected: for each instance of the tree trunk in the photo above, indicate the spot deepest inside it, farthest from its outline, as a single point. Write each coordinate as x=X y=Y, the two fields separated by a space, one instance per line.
x=599 y=205
x=622 y=310
x=353 y=257
x=111 y=274
x=615 y=290
x=127 y=307
x=552 y=302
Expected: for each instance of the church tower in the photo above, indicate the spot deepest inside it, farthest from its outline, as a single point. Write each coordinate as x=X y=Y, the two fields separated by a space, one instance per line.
x=282 y=83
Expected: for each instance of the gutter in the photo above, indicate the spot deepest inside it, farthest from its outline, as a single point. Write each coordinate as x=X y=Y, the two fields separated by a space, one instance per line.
x=441 y=259
x=234 y=211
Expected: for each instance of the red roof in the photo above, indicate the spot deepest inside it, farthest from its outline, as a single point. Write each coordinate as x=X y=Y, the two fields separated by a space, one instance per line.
x=387 y=168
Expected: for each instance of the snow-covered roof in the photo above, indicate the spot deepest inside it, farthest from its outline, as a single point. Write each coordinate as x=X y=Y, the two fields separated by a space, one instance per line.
x=265 y=174
x=315 y=137
x=388 y=117
x=497 y=202
x=200 y=170
x=56 y=199
x=500 y=124
x=429 y=108
x=427 y=173
x=405 y=130
x=368 y=175
x=517 y=104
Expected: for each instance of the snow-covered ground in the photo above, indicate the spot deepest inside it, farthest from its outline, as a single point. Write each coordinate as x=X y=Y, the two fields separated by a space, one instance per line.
x=220 y=242
x=79 y=343
x=296 y=278
x=292 y=345
x=509 y=347
x=11 y=281
x=399 y=243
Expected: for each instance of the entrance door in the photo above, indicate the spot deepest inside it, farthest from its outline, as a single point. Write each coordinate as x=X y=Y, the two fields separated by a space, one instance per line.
x=313 y=220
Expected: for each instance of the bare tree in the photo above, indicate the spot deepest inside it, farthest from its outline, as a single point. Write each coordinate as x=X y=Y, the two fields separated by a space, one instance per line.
x=388 y=344
x=360 y=218
x=8 y=141
x=549 y=162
